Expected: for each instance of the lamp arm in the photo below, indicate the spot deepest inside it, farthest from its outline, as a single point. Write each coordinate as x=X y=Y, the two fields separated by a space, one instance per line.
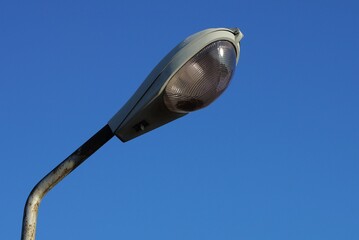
x=56 y=175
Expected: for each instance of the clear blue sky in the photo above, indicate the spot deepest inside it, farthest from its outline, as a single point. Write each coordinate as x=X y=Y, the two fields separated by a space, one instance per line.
x=276 y=157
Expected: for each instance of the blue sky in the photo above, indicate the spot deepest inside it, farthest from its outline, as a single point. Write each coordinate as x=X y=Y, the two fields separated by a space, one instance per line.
x=276 y=157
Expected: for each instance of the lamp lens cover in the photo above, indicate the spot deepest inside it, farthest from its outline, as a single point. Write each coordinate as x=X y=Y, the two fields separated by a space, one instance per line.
x=202 y=79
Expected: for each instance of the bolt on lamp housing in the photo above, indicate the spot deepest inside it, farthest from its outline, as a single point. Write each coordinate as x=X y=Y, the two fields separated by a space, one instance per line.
x=190 y=77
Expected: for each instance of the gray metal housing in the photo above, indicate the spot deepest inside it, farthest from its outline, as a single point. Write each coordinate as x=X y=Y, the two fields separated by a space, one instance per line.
x=145 y=110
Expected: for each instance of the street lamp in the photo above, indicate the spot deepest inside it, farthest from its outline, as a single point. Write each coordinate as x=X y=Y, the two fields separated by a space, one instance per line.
x=189 y=78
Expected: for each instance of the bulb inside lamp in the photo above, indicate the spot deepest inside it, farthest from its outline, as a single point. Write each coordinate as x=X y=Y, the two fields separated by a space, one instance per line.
x=202 y=79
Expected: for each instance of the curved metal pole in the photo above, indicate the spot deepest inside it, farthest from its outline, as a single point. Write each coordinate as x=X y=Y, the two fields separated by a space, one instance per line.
x=55 y=176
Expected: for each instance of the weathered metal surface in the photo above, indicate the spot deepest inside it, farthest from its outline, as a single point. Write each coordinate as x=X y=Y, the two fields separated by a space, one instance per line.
x=55 y=176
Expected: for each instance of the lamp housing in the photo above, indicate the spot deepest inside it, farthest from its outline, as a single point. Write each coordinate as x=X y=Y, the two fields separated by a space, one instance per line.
x=188 y=78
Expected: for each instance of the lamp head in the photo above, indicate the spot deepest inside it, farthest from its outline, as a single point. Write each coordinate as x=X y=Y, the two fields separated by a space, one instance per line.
x=190 y=77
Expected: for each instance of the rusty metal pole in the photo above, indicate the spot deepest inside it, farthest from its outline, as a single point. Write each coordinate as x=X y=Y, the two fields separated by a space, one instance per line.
x=56 y=175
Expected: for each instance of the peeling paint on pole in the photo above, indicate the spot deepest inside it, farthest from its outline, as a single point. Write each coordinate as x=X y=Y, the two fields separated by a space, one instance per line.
x=55 y=176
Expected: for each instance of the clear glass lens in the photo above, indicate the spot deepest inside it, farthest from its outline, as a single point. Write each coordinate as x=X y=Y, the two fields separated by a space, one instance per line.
x=202 y=79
